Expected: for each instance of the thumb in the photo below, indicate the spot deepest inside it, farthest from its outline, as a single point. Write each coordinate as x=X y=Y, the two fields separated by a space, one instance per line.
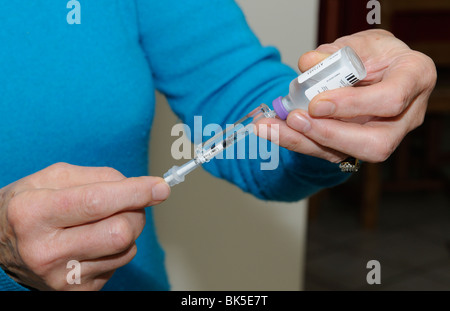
x=310 y=59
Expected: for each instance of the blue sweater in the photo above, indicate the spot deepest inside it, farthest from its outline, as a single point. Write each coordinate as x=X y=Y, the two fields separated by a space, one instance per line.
x=84 y=94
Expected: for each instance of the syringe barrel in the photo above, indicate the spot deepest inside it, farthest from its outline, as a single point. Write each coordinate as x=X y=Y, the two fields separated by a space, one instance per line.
x=208 y=150
x=188 y=167
x=232 y=134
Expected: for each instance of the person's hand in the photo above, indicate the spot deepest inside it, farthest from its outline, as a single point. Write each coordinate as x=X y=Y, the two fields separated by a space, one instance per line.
x=66 y=212
x=370 y=120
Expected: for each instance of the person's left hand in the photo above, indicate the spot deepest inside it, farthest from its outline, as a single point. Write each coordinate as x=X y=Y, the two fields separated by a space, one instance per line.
x=370 y=120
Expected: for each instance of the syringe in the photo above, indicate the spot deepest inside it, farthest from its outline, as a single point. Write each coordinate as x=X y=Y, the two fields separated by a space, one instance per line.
x=343 y=68
x=208 y=150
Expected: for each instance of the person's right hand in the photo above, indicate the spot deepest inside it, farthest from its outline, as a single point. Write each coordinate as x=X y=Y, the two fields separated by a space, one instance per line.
x=66 y=212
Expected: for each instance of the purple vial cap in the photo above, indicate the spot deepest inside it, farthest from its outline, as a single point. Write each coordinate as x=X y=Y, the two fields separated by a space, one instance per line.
x=279 y=108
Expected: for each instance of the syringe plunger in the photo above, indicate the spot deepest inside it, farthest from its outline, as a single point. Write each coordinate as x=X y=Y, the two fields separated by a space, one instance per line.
x=176 y=174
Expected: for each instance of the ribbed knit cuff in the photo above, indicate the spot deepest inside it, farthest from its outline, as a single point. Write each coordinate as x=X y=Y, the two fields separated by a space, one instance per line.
x=8 y=284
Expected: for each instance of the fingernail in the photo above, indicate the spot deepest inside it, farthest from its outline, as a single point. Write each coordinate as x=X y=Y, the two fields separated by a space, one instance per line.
x=323 y=109
x=299 y=123
x=160 y=191
x=322 y=54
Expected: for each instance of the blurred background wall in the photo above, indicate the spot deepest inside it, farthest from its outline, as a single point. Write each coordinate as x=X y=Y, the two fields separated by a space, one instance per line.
x=421 y=161
x=396 y=212
x=215 y=236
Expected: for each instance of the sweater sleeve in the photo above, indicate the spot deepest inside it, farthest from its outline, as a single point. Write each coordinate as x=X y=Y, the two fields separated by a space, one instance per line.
x=8 y=284
x=208 y=62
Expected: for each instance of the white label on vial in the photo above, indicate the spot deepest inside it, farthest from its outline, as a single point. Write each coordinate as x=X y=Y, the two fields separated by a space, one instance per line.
x=319 y=67
x=342 y=78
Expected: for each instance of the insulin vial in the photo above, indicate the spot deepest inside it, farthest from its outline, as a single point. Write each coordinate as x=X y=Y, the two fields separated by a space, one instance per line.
x=343 y=68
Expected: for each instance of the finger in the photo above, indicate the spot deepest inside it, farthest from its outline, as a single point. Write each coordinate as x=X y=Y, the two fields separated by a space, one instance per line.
x=293 y=140
x=95 y=273
x=64 y=175
x=310 y=59
x=372 y=142
x=83 y=204
x=387 y=98
x=107 y=237
x=98 y=267
x=88 y=283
